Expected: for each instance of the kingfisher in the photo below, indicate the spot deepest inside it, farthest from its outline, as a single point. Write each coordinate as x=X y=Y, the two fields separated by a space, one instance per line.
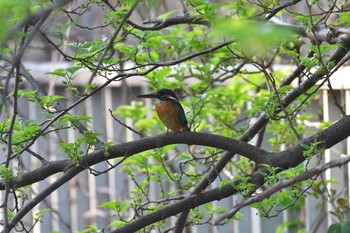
x=169 y=110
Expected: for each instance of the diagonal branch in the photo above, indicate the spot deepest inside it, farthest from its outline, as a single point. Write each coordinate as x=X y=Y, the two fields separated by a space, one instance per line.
x=283 y=184
x=128 y=149
x=274 y=11
x=125 y=125
x=188 y=204
x=163 y=23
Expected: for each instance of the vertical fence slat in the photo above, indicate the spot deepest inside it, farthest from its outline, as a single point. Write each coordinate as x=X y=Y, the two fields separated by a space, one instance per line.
x=33 y=161
x=347 y=110
x=327 y=153
x=91 y=215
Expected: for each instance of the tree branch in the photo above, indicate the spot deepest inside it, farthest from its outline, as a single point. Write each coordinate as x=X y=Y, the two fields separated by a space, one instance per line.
x=128 y=149
x=187 y=204
x=274 y=11
x=163 y=23
x=283 y=184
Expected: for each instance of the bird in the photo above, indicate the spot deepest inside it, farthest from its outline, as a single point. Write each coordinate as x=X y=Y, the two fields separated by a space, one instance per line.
x=169 y=110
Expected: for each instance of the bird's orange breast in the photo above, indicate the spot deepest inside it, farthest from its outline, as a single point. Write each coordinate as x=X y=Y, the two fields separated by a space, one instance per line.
x=168 y=114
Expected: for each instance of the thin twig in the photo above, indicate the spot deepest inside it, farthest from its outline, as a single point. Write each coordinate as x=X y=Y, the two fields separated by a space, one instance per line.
x=273 y=84
x=16 y=66
x=274 y=11
x=36 y=155
x=125 y=125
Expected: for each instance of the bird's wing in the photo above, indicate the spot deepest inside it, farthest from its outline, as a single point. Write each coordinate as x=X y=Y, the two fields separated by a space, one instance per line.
x=181 y=115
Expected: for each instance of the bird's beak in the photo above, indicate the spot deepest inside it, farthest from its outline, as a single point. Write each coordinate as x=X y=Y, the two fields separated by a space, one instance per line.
x=148 y=96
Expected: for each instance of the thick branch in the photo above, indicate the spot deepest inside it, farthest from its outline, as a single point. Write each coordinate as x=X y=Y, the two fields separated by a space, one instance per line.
x=187 y=204
x=326 y=138
x=130 y=148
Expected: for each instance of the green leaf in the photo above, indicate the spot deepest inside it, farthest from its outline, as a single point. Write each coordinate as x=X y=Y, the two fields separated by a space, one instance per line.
x=32 y=129
x=58 y=72
x=208 y=206
x=27 y=94
x=117 y=223
x=49 y=99
x=111 y=205
x=339 y=228
x=88 y=87
x=6 y=173
x=284 y=198
x=11 y=12
x=74 y=119
x=41 y=212
x=254 y=37
x=284 y=89
x=73 y=69
x=167 y=14
x=90 y=229
x=128 y=50
x=160 y=73
x=135 y=110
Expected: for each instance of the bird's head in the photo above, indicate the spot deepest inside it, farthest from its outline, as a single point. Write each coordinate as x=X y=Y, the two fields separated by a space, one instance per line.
x=162 y=95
